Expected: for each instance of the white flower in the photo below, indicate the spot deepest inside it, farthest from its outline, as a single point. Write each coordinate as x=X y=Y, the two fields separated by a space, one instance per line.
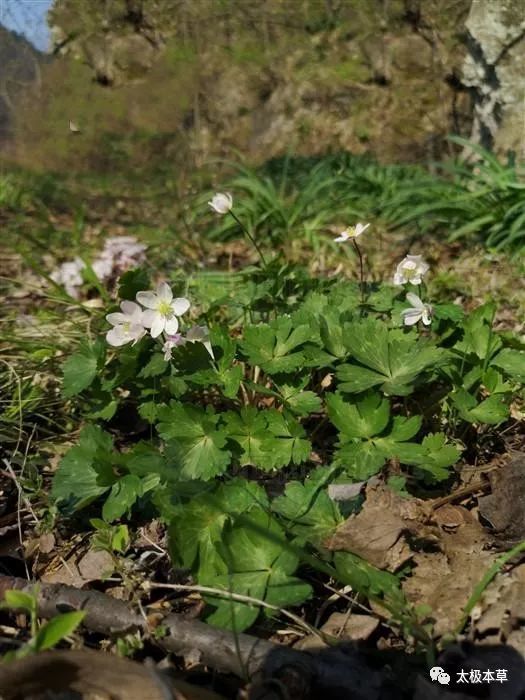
x=351 y=232
x=172 y=341
x=128 y=325
x=103 y=267
x=162 y=310
x=69 y=275
x=419 y=311
x=410 y=269
x=200 y=334
x=221 y=203
x=120 y=253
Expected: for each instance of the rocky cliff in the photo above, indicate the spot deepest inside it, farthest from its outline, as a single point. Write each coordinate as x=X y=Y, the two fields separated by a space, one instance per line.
x=20 y=65
x=192 y=79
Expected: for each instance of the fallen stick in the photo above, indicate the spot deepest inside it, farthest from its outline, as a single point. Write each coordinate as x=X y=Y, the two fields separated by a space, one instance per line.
x=247 y=657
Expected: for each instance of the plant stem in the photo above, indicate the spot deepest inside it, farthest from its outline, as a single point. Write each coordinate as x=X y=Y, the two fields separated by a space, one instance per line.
x=361 y=271
x=250 y=237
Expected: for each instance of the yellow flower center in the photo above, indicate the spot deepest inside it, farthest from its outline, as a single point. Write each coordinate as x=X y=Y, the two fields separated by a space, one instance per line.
x=409 y=272
x=164 y=308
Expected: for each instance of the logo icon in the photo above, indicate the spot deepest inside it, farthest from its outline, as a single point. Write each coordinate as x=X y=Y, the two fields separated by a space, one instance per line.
x=440 y=675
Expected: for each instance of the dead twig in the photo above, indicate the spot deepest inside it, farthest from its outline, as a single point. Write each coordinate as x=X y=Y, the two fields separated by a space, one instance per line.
x=328 y=671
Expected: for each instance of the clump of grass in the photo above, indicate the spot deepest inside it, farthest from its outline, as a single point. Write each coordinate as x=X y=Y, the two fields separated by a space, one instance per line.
x=482 y=200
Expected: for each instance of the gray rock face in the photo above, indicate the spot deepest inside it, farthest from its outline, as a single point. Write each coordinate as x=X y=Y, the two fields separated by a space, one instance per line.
x=19 y=69
x=494 y=69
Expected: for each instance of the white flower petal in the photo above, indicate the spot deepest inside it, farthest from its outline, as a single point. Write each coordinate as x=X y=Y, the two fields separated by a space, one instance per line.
x=117 y=337
x=130 y=308
x=180 y=305
x=171 y=325
x=148 y=317
x=342 y=237
x=411 y=316
x=221 y=203
x=399 y=279
x=197 y=334
x=426 y=317
x=360 y=228
x=415 y=301
x=164 y=292
x=116 y=318
x=209 y=348
x=137 y=332
x=157 y=326
x=148 y=299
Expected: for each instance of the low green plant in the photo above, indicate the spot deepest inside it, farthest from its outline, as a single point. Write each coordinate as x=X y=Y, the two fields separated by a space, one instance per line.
x=237 y=422
x=43 y=636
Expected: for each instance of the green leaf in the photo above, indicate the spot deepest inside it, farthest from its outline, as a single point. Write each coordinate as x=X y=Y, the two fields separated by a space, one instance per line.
x=225 y=373
x=145 y=459
x=367 y=341
x=331 y=330
x=512 y=362
x=133 y=281
x=361 y=460
x=409 y=359
x=355 y=378
x=85 y=472
x=368 y=437
x=363 y=577
x=120 y=538
x=493 y=381
x=54 y=631
x=433 y=455
x=267 y=439
x=249 y=430
x=155 y=367
x=122 y=496
x=289 y=444
x=274 y=346
x=448 y=312
x=258 y=565
x=479 y=337
x=312 y=515
x=195 y=442
x=404 y=428
x=148 y=410
x=81 y=368
x=391 y=358
x=19 y=600
x=492 y=410
x=301 y=402
x=362 y=418
x=197 y=527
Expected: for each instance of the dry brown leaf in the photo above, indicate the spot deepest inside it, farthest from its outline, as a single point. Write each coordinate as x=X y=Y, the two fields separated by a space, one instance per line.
x=67 y=573
x=350 y=626
x=501 y=611
x=376 y=532
x=95 y=565
x=46 y=543
x=444 y=580
x=448 y=547
x=504 y=508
